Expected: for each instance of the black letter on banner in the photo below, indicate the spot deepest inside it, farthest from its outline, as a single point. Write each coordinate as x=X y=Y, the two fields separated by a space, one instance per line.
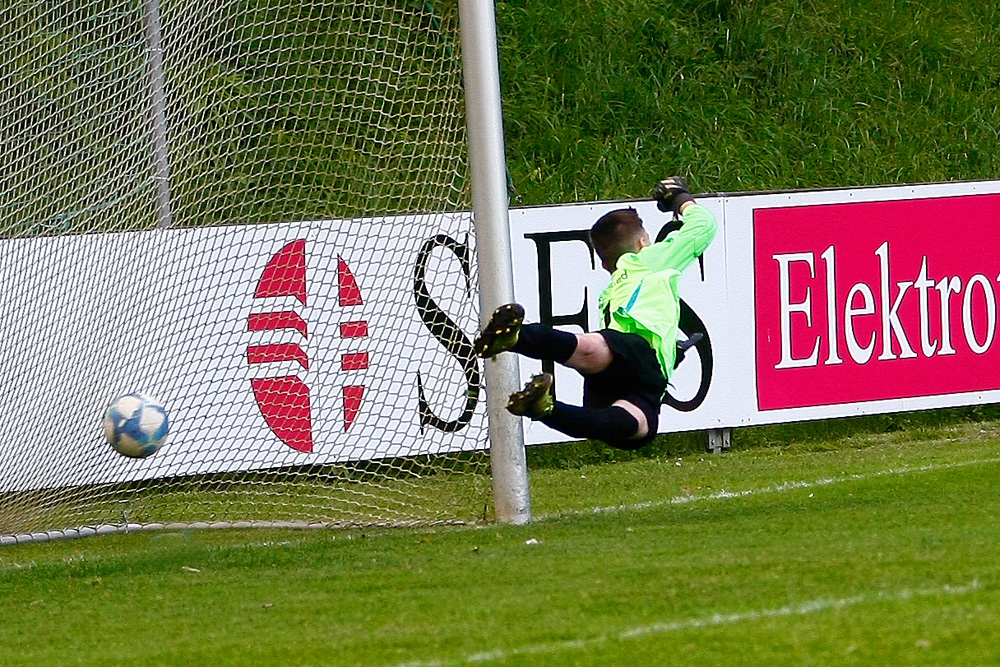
x=447 y=332
x=543 y=243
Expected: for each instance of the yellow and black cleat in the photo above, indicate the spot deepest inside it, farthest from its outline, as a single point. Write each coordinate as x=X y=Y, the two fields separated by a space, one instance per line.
x=500 y=333
x=535 y=400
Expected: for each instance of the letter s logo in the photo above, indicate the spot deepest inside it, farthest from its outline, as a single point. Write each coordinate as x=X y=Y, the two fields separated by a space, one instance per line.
x=447 y=332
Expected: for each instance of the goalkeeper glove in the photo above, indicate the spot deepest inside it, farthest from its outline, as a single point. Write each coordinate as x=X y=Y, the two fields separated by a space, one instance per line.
x=671 y=193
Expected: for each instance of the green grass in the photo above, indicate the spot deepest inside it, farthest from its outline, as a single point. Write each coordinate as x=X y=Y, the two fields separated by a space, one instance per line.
x=863 y=549
x=867 y=541
x=603 y=98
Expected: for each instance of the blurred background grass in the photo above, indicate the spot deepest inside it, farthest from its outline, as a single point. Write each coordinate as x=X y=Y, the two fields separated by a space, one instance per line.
x=601 y=98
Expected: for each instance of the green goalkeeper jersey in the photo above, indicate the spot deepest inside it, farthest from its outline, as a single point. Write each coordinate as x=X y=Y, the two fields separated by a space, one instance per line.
x=642 y=297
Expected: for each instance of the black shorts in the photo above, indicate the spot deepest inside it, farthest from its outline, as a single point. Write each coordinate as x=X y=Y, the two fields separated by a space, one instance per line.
x=634 y=375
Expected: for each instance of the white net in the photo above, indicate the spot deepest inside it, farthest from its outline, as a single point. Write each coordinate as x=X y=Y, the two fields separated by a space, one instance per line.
x=253 y=211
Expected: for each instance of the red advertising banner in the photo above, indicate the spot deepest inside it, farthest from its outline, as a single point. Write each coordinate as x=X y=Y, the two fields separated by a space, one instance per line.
x=876 y=300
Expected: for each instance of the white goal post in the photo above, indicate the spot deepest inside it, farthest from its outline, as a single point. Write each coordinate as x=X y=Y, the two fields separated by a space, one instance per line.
x=489 y=191
x=283 y=220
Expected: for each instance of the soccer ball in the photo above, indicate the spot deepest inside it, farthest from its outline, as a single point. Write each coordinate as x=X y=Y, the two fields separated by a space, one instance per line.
x=135 y=425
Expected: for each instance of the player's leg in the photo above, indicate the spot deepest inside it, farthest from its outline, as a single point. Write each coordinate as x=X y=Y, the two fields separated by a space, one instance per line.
x=631 y=383
x=623 y=424
x=506 y=331
x=592 y=354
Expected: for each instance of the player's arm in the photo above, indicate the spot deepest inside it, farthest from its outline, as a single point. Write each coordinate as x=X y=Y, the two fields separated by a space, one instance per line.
x=699 y=228
x=682 y=247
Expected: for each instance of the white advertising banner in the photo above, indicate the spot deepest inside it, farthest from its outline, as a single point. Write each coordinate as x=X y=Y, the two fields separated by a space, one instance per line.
x=865 y=301
x=815 y=304
x=316 y=343
x=558 y=280
x=270 y=346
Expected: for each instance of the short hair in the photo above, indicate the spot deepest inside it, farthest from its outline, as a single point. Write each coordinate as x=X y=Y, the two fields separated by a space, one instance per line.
x=615 y=234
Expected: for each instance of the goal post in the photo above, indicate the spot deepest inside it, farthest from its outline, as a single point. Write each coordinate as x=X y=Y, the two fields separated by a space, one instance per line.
x=282 y=220
x=158 y=112
x=489 y=193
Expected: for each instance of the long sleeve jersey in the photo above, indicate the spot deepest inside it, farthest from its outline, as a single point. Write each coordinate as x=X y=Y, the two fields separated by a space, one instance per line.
x=642 y=297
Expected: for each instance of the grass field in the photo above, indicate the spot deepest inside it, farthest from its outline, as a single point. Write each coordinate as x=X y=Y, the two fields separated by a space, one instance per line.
x=808 y=544
x=600 y=98
x=862 y=549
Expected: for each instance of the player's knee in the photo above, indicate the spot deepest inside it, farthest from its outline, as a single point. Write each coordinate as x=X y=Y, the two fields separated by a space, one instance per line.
x=642 y=430
x=592 y=353
x=642 y=423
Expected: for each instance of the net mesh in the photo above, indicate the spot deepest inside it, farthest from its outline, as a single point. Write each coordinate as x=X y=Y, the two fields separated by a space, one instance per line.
x=253 y=210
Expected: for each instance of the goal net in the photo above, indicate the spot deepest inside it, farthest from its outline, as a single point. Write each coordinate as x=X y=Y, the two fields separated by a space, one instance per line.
x=255 y=211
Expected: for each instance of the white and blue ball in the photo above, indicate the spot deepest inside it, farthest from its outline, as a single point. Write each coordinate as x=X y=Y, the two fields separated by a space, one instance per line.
x=136 y=425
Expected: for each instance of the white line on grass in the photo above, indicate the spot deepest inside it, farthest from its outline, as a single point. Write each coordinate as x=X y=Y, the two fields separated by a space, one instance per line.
x=698 y=623
x=775 y=488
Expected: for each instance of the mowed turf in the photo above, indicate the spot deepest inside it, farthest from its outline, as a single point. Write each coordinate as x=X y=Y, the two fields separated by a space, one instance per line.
x=874 y=549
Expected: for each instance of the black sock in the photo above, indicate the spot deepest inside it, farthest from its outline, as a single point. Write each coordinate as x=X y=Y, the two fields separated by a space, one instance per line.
x=539 y=341
x=612 y=425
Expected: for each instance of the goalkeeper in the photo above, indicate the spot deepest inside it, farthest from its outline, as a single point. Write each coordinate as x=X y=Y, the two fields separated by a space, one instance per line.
x=625 y=365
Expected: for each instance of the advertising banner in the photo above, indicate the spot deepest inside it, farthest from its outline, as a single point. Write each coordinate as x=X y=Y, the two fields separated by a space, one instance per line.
x=876 y=300
x=330 y=341
x=558 y=279
x=815 y=304
x=270 y=346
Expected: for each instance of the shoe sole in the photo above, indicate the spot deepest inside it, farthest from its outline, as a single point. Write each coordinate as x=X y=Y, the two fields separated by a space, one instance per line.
x=521 y=402
x=502 y=322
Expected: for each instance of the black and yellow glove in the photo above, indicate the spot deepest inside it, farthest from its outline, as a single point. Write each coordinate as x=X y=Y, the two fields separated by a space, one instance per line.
x=671 y=193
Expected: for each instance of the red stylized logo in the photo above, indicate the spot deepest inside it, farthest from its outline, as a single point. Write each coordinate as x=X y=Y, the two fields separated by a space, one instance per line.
x=350 y=295
x=284 y=401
